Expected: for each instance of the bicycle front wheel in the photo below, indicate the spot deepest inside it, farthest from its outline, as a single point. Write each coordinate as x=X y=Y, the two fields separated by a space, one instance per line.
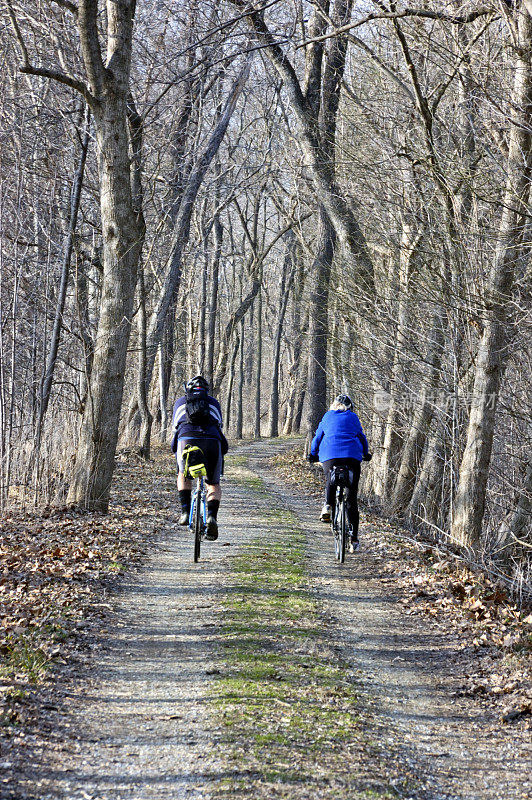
x=196 y=526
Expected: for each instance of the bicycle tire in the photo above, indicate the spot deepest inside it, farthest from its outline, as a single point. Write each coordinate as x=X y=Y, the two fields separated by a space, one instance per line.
x=335 y=525
x=342 y=530
x=196 y=525
x=334 y=531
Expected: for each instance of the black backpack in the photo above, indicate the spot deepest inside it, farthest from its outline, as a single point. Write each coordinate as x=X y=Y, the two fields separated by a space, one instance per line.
x=197 y=407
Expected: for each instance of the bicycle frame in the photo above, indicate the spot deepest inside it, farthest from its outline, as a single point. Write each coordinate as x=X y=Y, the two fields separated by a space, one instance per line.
x=197 y=521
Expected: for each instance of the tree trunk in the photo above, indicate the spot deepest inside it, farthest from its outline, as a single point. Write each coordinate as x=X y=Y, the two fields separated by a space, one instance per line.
x=286 y=282
x=163 y=395
x=143 y=386
x=122 y=240
x=339 y=211
x=426 y=503
x=294 y=370
x=392 y=437
x=318 y=324
x=229 y=401
x=122 y=234
x=240 y=395
x=182 y=225
x=415 y=441
x=47 y=378
x=516 y=527
x=203 y=309
x=258 y=366
x=213 y=298
x=146 y=417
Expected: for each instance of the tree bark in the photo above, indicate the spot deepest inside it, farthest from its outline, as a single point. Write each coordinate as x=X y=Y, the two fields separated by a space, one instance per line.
x=338 y=209
x=318 y=324
x=182 y=224
x=46 y=382
x=516 y=528
x=426 y=504
x=415 y=441
x=122 y=243
x=258 y=366
x=213 y=297
x=392 y=437
x=286 y=282
x=240 y=394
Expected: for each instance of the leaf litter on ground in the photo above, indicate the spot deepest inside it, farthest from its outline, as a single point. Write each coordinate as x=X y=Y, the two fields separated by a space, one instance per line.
x=57 y=567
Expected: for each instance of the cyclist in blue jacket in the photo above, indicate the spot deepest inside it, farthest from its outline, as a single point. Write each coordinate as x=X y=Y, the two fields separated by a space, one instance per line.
x=341 y=440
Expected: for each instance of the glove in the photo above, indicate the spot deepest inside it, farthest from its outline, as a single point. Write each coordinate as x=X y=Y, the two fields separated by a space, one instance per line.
x=312 y=459
x=224 y=444
x=367 y=457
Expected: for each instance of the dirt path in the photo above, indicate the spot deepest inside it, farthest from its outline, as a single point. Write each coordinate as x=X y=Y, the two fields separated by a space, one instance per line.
x=144 y=725
x=456 y=748
x=139 y=726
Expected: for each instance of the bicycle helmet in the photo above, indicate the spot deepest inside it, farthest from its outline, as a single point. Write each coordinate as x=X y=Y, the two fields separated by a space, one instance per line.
x=345 y=400
x=197 y=383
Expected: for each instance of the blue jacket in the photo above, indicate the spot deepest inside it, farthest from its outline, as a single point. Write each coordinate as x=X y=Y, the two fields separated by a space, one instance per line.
x=339 y=435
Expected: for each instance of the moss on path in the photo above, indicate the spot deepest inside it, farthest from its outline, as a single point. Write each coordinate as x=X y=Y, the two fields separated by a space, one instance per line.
x=288 y=702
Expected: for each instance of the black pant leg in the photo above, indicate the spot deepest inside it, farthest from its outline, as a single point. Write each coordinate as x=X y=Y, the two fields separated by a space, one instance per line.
x=329 y=490
x=352 y=499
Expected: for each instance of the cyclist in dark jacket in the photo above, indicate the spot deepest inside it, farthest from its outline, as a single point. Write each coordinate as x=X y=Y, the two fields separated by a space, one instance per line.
x=340 y=440
x=209 y=437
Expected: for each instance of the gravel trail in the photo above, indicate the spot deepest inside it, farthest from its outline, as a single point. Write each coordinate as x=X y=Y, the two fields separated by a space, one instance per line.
x=140 y=725
x=454 y=746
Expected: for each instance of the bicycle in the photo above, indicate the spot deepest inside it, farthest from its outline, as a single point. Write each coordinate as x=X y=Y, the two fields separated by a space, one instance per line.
x=197 y=521
x=341 y=527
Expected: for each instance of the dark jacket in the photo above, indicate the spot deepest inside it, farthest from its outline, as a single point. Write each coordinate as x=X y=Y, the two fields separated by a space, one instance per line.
x=183 y=429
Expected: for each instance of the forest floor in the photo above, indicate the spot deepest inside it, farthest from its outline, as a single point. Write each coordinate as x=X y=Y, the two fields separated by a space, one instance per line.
x=265 y=670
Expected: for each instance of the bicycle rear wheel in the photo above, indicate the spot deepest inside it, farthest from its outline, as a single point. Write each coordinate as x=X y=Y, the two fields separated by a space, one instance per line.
x=343 y=531
x=196 y=525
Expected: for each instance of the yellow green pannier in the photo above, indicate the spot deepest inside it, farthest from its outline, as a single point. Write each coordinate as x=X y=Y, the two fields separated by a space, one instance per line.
x=194 y=462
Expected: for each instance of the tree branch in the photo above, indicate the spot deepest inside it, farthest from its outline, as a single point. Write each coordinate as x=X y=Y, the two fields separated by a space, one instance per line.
x=90 y=44
x=28 y=69
x=72 y=7
x=60 y=77
x=18 y=33
x=407 y=12
x=277 y=56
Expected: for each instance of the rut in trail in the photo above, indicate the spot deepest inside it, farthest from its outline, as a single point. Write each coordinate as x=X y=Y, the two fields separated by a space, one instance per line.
x=144 y=723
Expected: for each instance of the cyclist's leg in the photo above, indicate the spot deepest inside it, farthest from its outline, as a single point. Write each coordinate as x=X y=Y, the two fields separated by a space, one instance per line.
x=352 y=498
x=184 y=487
x=330 y=492
x=213 y=463
x=214 y=492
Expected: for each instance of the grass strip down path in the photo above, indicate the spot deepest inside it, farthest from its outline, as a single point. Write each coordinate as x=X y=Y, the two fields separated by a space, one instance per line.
x=288 y=704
